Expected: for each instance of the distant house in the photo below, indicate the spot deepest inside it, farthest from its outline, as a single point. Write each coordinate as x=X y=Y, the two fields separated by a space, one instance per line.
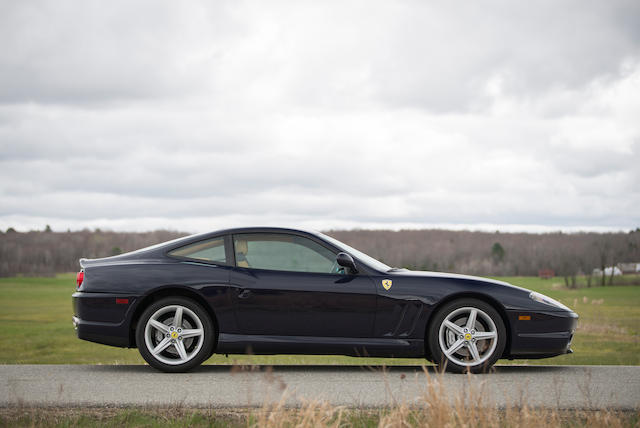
x=627 y=268
x=607 y=271
x=546 y=273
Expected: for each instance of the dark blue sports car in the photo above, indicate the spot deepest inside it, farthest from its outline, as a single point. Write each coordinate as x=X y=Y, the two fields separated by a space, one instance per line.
x=285 y=291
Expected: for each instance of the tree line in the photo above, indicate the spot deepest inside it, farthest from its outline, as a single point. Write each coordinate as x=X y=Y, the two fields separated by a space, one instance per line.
x=47 y=252
x=498 y=254
x=476 y=253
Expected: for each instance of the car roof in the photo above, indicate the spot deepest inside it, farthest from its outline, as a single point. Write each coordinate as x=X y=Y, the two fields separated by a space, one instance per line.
x=249 y=229
x=163 y=247
x=264 y=229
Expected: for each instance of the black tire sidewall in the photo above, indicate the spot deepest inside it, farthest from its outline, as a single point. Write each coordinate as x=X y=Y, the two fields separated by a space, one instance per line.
x=209 y=335
x=433 y=342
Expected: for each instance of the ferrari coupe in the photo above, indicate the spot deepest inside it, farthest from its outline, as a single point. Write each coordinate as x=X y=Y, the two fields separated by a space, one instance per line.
x=287 y=291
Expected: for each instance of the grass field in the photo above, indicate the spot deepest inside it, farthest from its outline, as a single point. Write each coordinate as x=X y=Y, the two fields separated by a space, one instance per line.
x=36 y=317
x=315 y=414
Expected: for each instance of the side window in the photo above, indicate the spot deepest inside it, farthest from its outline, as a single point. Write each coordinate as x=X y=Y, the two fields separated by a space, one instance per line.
x=283 y=252
x=211 y=250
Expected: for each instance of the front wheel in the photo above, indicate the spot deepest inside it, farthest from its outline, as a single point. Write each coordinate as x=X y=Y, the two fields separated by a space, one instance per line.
x=175 y=334
x=466 y=335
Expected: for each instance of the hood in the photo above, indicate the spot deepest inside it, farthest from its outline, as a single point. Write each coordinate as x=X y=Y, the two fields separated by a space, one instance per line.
x=445 y=275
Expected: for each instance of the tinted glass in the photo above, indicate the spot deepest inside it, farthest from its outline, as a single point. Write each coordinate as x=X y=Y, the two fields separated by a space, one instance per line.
x=283 y=252
x=211 y=250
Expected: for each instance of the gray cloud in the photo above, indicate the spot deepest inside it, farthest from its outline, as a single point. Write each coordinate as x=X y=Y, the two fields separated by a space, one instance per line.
x=64 y=52
x=323 y=115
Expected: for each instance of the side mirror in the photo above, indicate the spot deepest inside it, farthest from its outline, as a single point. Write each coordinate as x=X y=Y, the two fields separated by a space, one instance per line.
x=345 y=260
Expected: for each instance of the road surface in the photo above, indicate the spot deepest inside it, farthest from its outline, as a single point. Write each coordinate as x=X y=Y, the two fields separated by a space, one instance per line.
x=585 y=387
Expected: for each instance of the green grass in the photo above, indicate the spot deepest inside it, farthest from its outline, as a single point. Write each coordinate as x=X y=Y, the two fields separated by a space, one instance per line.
x=316 y=414
x=118 y=418
x=36 y=318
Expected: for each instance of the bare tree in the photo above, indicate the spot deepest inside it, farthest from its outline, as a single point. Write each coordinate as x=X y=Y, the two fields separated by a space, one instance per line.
x=477 y=253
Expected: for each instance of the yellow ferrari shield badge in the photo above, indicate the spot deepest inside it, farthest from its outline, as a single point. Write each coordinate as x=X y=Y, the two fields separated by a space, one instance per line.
x=387 y=283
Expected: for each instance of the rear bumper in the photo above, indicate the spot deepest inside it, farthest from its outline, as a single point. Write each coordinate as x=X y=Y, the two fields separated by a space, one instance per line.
x=545 y=334
x=105 y=333
x=98 y=318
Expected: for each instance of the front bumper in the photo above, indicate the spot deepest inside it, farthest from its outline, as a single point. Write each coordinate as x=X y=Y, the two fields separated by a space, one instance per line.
x=544 y=334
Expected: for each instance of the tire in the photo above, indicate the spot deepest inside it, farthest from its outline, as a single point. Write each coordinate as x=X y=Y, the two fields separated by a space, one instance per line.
x=457 y=346
x=172 y=347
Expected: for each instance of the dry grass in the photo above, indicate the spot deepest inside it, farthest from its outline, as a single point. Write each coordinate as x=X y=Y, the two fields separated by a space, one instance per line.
x=433 y=409
x=319 y=414
x=620 y=333
x=434 y=413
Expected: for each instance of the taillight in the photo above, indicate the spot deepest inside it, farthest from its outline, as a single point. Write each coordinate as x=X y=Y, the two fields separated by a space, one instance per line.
x=79 y=278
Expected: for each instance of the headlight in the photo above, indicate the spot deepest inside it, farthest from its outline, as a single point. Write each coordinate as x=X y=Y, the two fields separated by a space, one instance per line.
x=547 y=300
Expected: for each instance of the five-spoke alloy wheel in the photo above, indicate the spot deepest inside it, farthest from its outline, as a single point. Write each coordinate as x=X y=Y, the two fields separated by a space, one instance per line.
x=466 y=335
x=175 y=334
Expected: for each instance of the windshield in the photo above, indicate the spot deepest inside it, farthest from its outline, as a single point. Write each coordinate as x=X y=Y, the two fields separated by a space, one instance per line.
x=368 y=260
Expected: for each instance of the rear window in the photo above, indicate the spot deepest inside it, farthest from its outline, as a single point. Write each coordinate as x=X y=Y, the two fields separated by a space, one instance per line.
x=211 y=250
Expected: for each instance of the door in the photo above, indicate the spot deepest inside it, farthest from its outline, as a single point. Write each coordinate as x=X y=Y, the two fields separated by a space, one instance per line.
x=291 y=285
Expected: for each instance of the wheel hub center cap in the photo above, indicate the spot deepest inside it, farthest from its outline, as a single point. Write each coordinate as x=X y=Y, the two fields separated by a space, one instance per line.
x=467 y=336
x=174 y=334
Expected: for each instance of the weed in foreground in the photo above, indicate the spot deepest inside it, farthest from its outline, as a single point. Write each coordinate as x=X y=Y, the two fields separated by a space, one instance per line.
x=320 y=414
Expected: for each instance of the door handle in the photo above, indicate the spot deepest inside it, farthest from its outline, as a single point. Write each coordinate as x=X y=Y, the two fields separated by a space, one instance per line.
x=244 y=294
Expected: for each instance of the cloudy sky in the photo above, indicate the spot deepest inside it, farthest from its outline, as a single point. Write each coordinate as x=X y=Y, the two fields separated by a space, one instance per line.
x=195 y=116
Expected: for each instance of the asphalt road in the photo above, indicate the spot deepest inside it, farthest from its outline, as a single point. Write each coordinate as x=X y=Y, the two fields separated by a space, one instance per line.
x=224 y=386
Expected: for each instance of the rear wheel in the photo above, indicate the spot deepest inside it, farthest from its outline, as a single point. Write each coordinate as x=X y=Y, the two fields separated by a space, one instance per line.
x=466 y=335
x=175 y=334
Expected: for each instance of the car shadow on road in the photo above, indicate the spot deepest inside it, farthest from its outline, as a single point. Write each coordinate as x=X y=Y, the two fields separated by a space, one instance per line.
x=210 y=368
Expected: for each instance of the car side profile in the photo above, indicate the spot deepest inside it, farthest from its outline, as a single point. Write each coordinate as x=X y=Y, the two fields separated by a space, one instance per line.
x=288 y=291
